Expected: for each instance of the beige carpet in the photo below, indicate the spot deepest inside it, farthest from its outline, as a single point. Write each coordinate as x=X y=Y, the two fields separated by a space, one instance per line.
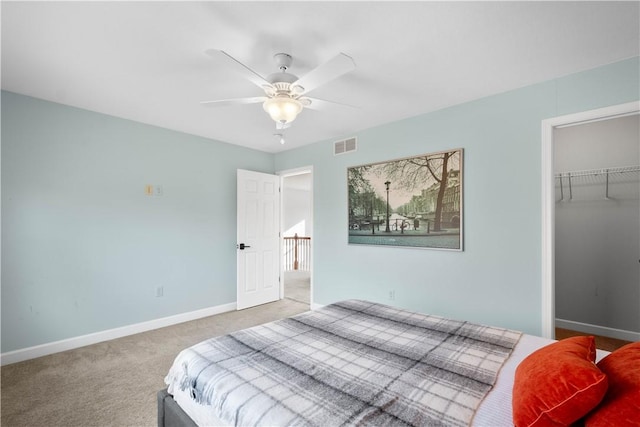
x=114 y=383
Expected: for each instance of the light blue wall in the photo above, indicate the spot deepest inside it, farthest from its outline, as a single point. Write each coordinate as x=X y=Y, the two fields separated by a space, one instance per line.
x=497 y=278
x=83 y=247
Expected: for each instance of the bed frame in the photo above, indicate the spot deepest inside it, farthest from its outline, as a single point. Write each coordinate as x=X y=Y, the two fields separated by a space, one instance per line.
x=170 y=414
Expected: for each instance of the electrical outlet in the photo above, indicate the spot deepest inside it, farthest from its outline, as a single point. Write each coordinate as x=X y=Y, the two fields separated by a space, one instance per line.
x=160 y=291
x=392 y=295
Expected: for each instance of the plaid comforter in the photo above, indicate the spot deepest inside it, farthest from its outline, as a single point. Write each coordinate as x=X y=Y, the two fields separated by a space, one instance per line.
x=348 y=363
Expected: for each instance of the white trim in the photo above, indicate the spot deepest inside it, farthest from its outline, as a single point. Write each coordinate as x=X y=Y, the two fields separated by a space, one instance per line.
x=94 y=338
x=316 y=306
x=548 y=203
x=588 y=328
x=295 y=171
x=548 y=233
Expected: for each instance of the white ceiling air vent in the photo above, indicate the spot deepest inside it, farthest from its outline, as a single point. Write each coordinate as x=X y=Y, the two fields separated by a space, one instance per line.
x=345 y=146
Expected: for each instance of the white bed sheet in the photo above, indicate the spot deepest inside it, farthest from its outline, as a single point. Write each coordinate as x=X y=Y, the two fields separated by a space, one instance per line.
x=494 y=411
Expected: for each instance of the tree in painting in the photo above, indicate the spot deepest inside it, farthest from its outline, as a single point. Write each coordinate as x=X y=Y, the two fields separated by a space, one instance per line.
x=416 y=171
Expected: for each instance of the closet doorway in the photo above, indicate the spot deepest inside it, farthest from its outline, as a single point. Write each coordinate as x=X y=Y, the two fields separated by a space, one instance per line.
x=591 y=223
x=597 y=227
x=297 y=235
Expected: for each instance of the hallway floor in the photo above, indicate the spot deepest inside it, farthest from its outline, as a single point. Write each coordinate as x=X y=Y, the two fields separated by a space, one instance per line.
x=297 y=286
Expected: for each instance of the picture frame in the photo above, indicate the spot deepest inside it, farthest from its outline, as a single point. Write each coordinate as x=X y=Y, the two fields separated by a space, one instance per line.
x=412 y=202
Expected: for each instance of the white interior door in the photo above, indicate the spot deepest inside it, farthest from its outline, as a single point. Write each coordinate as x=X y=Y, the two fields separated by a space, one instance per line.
x=258 y=244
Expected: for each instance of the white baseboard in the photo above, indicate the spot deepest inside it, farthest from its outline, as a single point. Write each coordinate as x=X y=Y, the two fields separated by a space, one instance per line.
x=94 y=338
x=587 y=328
x=315 y=306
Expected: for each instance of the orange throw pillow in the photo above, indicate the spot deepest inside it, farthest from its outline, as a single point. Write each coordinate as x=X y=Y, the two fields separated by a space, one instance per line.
x=621 y=405
x=558 y=384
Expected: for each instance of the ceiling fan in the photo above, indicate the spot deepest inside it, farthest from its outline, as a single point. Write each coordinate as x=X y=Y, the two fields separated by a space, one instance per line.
x=285 y=95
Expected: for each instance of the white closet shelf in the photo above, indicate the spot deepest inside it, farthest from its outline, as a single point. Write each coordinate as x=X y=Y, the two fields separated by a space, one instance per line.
x=596 y=176
x=596 y=172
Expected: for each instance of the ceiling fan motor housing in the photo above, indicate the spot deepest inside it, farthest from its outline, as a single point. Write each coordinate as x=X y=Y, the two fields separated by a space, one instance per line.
x=282 y=81
x=283 y=60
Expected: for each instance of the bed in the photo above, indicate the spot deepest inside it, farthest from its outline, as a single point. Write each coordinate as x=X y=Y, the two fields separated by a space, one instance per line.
x=350 y=363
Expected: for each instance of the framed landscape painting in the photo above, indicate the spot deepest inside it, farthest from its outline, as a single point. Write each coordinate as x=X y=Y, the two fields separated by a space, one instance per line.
x=411 y=202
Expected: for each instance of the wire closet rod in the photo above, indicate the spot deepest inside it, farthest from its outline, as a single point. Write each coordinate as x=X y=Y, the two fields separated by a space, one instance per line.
x=603 y=171
x=616 y=171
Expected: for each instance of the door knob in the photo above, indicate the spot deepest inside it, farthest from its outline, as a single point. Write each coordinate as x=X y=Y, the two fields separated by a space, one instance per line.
x=241 y=246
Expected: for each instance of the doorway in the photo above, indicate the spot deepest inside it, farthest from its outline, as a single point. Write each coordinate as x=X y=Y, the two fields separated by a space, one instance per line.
x=549 y=200
x=297 y=235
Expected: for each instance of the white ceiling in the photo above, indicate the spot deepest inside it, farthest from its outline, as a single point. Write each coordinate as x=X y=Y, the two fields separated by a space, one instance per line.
x=145 y=61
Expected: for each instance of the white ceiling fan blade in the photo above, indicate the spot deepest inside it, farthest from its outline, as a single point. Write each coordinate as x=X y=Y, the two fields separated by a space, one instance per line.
x=234 y=101
x=239 y=67
x=321 y=104
x=332 y=69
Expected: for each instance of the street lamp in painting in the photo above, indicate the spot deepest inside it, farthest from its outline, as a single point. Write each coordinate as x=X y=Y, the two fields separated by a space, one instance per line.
x=387 y=184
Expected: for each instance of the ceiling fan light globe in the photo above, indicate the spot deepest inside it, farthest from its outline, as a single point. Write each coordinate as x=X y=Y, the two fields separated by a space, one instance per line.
x=281 y=78
x=282 y=109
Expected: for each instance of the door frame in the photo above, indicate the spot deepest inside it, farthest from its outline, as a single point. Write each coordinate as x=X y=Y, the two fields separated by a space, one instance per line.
x=548 y=198
x=283 y=174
